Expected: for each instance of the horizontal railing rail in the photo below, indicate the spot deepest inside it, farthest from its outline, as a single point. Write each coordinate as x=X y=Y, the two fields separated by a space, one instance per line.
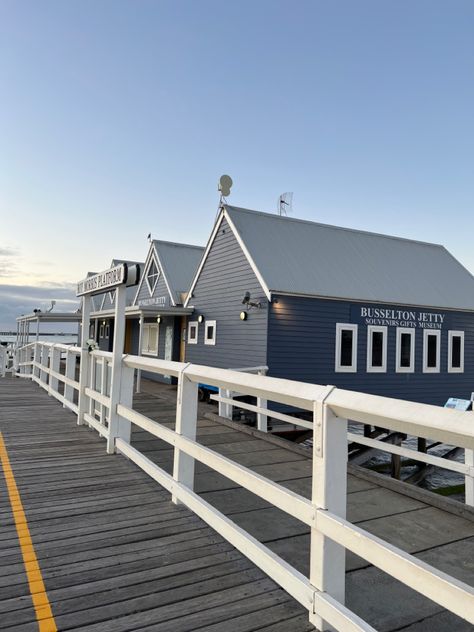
x=106 y=404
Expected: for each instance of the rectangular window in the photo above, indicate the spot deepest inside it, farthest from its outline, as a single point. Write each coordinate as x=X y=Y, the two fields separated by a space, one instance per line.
x=101 y=330
x=405 y=350
x=376 y=349
x=107 y=330
x=346 y=348
x=193 y=332
x=455 y=352
x=431 y=351
x=210 y=333
x=150 y=339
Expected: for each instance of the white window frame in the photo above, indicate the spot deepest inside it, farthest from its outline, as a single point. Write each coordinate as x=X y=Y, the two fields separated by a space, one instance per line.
x=340 y=327
x=101 y=330
x=426 y=334
x=452 y=333
x=398 y=367
x=376 y=329
x=210 y=341
x=107 y=330
x=145 y=349
x=158 y=274
x=191 y=340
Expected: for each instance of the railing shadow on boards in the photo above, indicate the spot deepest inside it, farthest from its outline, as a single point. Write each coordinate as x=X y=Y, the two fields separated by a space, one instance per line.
x=227 y=403
x=322 y=593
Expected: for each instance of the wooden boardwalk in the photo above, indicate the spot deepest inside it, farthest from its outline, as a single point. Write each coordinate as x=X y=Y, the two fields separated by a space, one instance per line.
x=116 y=555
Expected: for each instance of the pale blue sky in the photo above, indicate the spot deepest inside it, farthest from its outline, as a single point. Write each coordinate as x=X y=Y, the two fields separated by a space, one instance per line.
x=118 y=117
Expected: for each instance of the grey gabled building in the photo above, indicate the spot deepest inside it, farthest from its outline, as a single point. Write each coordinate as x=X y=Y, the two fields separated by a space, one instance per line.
x=331 y=305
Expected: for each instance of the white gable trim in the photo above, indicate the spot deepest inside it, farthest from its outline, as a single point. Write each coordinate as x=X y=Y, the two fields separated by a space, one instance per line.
x=256 y=271
x=173 y=302
x=204 y=257
x=224 y=214
x=142 y=276
x=152 y=253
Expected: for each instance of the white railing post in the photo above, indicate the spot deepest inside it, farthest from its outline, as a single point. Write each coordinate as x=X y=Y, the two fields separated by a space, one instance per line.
x=327 y=559
x=124 y=427
x=262 y=419
x=70 y=373
x=55 y=363
x=84 y=366
x=3 y=361
x=469 y=478
x=44 y=363
x=117 y=367
x=36 y=358
x=186 y=425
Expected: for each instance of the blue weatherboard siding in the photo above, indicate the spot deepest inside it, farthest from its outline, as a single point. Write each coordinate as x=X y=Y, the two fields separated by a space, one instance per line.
x=218 y=294
x=301 y=346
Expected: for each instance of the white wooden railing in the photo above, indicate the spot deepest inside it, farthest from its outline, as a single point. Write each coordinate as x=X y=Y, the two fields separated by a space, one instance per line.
x=227 y=402
x=322 y=593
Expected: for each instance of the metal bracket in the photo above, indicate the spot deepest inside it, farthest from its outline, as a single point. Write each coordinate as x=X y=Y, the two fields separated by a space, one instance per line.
x=318 y=421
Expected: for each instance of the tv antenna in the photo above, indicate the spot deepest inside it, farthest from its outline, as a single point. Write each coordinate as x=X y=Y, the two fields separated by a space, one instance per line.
x=225 y=184
x=285 y=204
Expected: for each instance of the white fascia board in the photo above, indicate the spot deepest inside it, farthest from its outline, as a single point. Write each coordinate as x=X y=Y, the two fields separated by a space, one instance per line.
x=162 y=269
x=142 y=276
x=205 y=255
x=248 y=256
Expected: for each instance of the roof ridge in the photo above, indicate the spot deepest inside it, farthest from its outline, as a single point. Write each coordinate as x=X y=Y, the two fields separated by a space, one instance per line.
x=175 y=243
x=344 y=228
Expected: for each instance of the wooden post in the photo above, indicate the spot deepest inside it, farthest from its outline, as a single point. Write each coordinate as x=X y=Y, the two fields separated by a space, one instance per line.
x=262 y=419
x=140 y=337
x=70 y=372
x=84 y=367
x=116 y=379
x=55 y=362
x=37 y=358
x=44 y=363
x=328 y=559
x=186 y=424
x=469 y=478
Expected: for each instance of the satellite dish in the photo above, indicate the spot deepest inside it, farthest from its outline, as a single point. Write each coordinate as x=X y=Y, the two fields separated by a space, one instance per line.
x=285 y=203
x=225 y=183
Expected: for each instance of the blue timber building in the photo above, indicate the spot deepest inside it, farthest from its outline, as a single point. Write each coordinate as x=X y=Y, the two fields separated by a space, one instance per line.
x=155 y=315
x=330 y=305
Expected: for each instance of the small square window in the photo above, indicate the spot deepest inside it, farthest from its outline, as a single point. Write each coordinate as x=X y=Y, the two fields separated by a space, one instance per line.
x=210 y=332
x=193 y=332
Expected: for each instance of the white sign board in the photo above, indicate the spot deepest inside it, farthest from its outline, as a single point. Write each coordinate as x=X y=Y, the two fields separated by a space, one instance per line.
x=109 y=279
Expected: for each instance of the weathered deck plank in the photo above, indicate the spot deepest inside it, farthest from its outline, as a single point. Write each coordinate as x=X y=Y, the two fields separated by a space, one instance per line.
x=116 y=554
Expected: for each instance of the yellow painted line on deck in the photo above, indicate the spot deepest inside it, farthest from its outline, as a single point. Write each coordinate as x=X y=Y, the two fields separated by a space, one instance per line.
x=44 y=614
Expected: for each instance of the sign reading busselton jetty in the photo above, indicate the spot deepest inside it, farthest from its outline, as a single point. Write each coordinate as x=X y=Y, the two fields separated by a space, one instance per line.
x=109 y=279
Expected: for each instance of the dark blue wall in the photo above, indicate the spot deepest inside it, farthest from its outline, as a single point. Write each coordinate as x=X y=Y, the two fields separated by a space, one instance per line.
x=218 y=294
x=301 y=346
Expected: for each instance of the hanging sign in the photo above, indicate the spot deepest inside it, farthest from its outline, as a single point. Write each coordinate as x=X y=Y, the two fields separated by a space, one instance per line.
x=109 y=279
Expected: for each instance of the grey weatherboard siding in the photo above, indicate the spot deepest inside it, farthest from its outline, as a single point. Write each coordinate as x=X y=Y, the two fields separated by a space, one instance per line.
x=218 y=294
x=160 y=290
x=301 y=346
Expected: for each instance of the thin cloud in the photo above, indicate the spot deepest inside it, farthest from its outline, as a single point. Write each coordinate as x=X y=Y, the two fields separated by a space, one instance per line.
x=16 y=300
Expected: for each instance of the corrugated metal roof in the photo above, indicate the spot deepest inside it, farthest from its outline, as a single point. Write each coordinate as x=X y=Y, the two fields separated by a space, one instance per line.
x=301 y=257
x=179 y=263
